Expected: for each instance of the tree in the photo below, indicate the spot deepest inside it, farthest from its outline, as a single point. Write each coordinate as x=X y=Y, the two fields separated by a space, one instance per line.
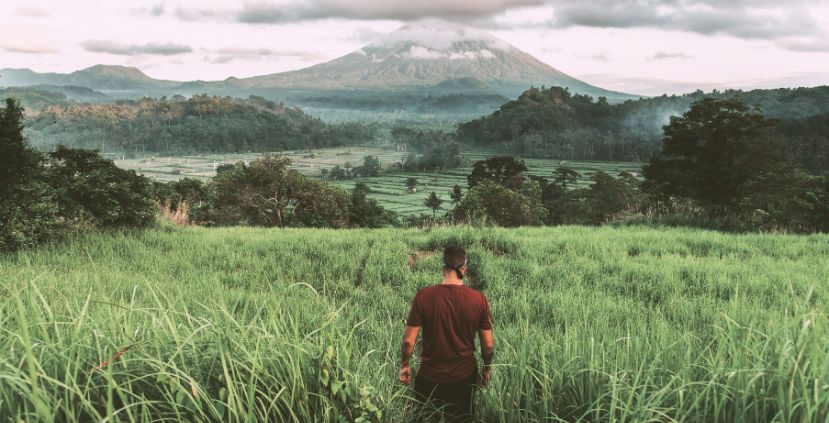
x=411 y=183
x=28 y=209
x=491 y=202
x=608 y=196
x=371 y=166
x=89 y=186
x=503 y=170
x=565 y=175
x=258 y=194
x=268 y=193
x=719 y=153
x=18 y=162
x=348 y=173
x=433 y=202
x=368 y=213
x=337 y=173
x=456 y=194
x=411 y=162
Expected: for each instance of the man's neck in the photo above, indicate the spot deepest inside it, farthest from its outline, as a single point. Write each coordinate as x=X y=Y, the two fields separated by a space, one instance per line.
x=452 y=281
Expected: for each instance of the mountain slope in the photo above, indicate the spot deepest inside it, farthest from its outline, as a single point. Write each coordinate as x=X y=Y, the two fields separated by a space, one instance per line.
x=417 y=56
x=98 y=77
x=427 y=54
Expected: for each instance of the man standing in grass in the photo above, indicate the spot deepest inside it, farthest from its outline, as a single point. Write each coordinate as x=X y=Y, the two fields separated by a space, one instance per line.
x=451 y=314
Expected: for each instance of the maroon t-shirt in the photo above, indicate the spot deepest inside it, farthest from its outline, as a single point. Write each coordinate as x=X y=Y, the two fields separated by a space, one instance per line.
x=451 y=316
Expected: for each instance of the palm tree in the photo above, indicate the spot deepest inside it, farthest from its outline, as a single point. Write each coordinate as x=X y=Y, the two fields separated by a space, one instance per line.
x=456 y=194
x=433 y=202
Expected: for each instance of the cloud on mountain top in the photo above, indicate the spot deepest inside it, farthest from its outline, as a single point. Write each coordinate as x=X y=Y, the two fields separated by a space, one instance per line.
x=160 y=49
x=280 y=12
x=664 y=55
x=792 y=25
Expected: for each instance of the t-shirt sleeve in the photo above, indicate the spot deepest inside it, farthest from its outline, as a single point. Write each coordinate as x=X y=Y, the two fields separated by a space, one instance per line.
x=414 y=313
x=486 y=318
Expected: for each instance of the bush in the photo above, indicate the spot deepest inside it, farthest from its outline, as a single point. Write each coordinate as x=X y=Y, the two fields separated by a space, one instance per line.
x=88 y=185
x=45 y=199
x=492 y=202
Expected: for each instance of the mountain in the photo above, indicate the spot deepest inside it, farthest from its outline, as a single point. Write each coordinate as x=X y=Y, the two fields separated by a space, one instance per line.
x=98 y=77
x=427 y=54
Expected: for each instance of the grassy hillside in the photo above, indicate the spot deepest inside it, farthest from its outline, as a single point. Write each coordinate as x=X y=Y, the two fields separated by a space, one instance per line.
x=242 y=324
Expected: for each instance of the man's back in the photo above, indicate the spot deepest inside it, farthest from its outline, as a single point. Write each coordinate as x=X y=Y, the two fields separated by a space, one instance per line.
x=450 y=316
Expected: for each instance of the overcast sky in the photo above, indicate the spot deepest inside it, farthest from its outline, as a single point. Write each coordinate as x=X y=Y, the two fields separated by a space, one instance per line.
x=642 y=47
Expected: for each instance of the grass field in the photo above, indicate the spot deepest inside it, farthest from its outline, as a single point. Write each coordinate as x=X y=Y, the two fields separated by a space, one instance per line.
x=244 y=324
x=388 y=189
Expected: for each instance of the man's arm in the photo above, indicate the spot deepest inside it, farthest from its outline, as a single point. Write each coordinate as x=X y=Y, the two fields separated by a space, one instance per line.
x=487 y=352
x=406 y=350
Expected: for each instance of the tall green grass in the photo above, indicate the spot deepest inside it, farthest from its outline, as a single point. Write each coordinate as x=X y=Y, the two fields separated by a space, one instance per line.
x=243 y=324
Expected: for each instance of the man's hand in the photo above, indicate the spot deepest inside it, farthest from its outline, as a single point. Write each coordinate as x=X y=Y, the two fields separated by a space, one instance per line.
x=483 y=382
x=406 y=374
x=406 y=350
x=487 y=352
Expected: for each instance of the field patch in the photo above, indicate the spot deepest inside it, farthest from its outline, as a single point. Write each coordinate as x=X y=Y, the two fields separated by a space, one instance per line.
x=389 y=188
x=591 y=324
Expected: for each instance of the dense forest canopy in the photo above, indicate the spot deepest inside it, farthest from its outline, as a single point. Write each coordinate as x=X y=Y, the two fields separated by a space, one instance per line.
x=541 y=122
x=552 y=122
x=179 y=125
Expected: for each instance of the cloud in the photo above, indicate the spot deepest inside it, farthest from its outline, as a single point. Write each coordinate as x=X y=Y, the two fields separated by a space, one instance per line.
x=159 y=49
x=267 y=12
x=425 y=53
x=600 y=57
x=648 y=86
x=157 y=10
x=817 y=44
x=793 y=24
x=226 y=55
x=26 y=46
x=33 y=11
x=754 y=20
x=665 y=55
x=199 y=14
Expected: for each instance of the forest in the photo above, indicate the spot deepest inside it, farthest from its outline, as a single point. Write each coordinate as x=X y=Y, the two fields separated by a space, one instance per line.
x=179 y=125
x=541 y=123
x=552 y=122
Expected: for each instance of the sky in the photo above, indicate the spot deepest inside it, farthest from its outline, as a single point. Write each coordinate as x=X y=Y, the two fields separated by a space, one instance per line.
x=646 y=47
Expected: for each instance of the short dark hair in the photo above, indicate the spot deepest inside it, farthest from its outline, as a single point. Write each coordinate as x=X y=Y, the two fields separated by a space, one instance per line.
x=454 y=258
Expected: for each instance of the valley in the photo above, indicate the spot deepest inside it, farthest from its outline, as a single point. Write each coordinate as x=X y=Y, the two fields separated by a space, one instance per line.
x=389 y=188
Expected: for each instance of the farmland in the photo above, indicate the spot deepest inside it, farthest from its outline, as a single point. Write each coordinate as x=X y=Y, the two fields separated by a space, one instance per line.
x=244 y=324
x=388 y=188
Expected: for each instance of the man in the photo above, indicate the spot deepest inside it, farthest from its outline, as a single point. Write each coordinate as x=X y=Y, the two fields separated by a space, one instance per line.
x=451 y=314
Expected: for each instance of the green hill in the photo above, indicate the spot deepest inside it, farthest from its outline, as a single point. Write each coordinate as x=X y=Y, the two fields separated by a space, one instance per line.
x=179 y=125
x=553 y=122
x=304 y=325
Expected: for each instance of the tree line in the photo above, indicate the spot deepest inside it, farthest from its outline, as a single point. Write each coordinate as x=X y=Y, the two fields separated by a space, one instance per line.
x=179 y=125
x=722 y=165
x=552 y=122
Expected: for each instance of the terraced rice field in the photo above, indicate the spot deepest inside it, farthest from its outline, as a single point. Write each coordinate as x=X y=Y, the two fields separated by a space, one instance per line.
x=389 y=189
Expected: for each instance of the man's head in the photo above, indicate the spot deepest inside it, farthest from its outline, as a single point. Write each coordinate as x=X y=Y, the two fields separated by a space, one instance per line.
x=454 y=260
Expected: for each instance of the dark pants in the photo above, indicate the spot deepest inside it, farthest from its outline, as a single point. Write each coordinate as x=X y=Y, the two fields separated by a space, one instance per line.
x=454 y=399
